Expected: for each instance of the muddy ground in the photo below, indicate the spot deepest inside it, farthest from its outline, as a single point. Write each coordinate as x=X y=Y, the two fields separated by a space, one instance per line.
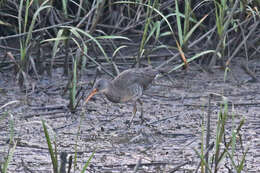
x=174 y=113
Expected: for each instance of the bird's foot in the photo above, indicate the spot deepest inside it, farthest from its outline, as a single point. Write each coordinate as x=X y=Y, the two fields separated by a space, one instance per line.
x=146 y=120
x=71 y=117
x=128 y=123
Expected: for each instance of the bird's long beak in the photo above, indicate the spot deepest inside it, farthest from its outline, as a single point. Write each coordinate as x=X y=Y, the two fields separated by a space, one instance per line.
x=91 y=95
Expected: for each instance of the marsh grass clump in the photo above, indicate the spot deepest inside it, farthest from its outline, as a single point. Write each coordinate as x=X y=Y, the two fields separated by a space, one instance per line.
x=60 y=167
x=223 y=151
x=104 y=29
x=12 y=142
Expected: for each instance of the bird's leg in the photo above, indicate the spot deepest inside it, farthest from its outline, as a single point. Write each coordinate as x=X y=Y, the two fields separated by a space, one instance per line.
x=134 y=113
x=141 y=116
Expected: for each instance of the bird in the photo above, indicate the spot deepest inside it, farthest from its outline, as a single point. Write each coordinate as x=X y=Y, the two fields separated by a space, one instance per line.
x=128 y=86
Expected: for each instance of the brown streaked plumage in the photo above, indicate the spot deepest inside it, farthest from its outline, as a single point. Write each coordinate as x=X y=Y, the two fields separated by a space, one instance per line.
x=127 y=86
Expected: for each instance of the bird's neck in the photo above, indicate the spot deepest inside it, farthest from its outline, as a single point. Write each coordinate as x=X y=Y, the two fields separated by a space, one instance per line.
x=111 y=93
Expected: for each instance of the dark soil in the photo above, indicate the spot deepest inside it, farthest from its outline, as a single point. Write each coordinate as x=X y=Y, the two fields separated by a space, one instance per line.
x=174 y=113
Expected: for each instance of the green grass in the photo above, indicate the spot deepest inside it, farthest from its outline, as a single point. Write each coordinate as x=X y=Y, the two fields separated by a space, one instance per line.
x=12 y=145
x=225 y=145
x=180 y=21
x=12 y=142
x=54 y=153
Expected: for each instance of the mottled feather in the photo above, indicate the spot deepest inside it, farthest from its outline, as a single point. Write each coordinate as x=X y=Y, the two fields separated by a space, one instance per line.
x=129 y=84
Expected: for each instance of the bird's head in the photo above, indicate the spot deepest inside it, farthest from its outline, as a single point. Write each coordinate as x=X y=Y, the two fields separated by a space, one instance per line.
x=100 y=86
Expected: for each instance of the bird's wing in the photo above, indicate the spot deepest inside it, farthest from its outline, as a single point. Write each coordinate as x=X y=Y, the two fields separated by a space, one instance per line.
x=141 y=76
x=133 y=92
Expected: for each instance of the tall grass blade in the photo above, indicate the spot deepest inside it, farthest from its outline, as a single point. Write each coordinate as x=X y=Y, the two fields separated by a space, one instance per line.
x=56 y=40
x=9 y=158
x=242 y=163
x=11 y=142
x=118 y=49
x=73 y=89
x=64 y=8
x=192 y=59
x=186 y=38
x=226 y=73
x=155 y=29
x=240 y=166
x=202 y=160
x=233 y=146
x=77 y=138
x=145 y=33
x=88 y=162
x=76 y=32
x=187 y=17
x=51 y=151
x=178 y=17
x=29 y=36
x=202 y=146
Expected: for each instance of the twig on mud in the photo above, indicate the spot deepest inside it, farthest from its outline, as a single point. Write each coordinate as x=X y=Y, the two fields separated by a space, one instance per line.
x=50 y=107
x=25 y=166
x=178 y=167
x=26 y=144
x=72 y=123
x=229 y=104
x=44 y=114
x=133 y=165
x=9 y=103
x=173 y=98
x=158 y=121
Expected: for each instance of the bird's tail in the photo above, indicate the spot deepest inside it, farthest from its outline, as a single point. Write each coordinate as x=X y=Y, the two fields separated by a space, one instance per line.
x=163 y=70
x=160 y=69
